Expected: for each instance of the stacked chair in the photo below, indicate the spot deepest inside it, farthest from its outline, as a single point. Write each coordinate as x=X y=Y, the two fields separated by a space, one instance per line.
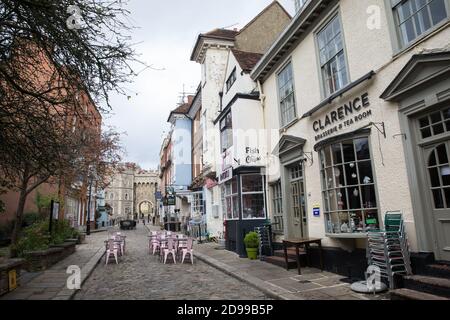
x=265 y=241
x=388 y=249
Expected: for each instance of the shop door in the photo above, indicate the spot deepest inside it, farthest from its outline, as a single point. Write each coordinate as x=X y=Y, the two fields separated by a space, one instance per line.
x=298 y=205
x=437 y=162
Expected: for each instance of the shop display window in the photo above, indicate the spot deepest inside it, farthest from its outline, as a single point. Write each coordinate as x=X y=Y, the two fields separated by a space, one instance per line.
x=349 y=188
x=230 y=199
x=253 y=202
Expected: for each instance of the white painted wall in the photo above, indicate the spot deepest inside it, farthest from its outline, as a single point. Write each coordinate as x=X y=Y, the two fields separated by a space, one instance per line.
x=213 y=79
x=243 y=84
x=215 y=62
x=366 y=50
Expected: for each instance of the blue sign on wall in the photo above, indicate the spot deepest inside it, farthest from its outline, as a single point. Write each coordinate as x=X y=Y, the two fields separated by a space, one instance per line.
x=316 y=211
x=158 y=195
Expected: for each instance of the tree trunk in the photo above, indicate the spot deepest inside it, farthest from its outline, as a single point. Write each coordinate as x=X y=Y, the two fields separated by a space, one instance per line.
x=18 y=222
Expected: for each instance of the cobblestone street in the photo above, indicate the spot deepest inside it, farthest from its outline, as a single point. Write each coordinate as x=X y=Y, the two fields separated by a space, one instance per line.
x=140 y=276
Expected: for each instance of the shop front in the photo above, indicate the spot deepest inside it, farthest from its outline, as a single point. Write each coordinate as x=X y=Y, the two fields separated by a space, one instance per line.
x=243 y=203
x=349 y=188
x=361 y=156
x=328 y=183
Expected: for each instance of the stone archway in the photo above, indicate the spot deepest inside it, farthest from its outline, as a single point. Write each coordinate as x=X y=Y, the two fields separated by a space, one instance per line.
x=145 y=208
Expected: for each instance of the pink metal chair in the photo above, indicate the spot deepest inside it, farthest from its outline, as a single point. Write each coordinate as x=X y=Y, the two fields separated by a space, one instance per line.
x=181 y=244
x=188 y=250
x=154 y=244
x=170 y=249
x=121 y=244
x=112 y=250
x=162 y=244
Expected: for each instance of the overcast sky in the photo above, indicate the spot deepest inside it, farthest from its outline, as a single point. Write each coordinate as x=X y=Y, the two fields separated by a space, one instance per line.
x=166 y=35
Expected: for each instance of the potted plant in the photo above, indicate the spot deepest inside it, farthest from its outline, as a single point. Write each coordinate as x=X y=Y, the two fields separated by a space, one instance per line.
x=251 y=242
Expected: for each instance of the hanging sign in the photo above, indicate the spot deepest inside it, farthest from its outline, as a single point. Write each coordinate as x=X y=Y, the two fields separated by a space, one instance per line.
x=226 y=175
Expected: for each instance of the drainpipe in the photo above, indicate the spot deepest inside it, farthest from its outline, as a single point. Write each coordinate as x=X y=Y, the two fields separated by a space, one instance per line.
x=262 y=98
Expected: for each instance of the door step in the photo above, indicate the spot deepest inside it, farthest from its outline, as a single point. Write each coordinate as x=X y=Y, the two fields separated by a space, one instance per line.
x=408 y=294
x=440 y=270
x=430 y=285
x=280 y=262
x=290 y=253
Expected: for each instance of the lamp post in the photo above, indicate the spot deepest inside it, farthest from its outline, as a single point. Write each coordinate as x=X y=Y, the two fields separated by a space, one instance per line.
x=91 y=177
x=88 y=225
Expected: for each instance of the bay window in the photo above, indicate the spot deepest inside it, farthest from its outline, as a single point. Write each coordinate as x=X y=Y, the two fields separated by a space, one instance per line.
x=253 y=197
x=226 y=132
x=231 y=79
x=348 y=187
x=230 y=199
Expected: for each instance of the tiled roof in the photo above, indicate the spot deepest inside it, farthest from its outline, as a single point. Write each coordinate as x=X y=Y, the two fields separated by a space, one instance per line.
x=218 y=34
x=183 y=109
x=222 y=34
x=247 y=60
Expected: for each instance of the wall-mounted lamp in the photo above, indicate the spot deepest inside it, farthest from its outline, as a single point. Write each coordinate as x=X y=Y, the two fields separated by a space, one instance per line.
x=308 y=157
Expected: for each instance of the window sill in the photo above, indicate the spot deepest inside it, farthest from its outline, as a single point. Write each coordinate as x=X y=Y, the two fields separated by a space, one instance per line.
x=289 y=125
x=347 y=235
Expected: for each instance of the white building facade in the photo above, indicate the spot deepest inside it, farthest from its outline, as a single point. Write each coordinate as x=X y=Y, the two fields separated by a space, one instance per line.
x=358 y=92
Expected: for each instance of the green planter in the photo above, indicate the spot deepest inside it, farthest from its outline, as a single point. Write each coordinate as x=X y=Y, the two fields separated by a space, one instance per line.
x=252 y=253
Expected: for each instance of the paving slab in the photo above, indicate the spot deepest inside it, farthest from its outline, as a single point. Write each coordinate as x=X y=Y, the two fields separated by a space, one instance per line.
x=141 y=276
x=280 y=283
x=52 y=283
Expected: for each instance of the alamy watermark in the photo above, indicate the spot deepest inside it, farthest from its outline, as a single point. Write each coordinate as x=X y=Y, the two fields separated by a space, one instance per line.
x=74 y=22
x=74 y=279
x=374 y=278
x=374 y=19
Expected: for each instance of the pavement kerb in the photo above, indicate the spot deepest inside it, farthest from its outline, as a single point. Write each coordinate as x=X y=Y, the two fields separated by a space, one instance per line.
x=275 y=293
x=86 y=271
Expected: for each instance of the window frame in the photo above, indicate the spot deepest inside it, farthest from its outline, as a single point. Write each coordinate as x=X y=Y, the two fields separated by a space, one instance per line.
x=348 y=210
x=223 y=129
x=326 y=22
x=276 y=194
x=231 y=80
x=299 y=5
x=394 y=31
x=262 y=192
x=231 y=196
x=280 y=112
x=198 y=202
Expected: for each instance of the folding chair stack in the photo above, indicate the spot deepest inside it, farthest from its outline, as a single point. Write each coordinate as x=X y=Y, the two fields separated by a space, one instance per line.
x=388 y=249
x=265 y=241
